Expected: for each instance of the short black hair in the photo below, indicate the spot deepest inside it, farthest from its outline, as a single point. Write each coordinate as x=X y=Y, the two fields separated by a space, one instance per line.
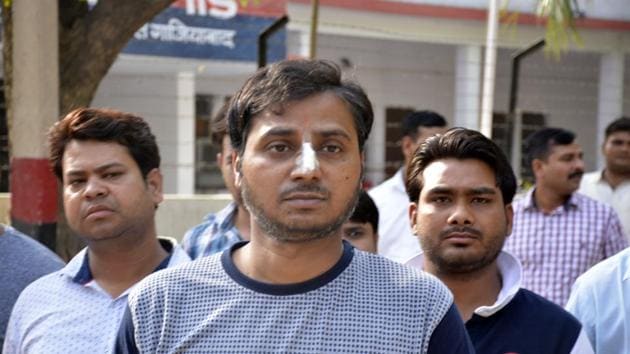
x=417 y=119
x=365 y=211
x=460 y=143
x=618 y=125
x=218 y=125
x=538 y=145
x=273 y=86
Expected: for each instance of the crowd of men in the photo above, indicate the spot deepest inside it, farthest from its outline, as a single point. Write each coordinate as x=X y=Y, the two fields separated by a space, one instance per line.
x=444 y=257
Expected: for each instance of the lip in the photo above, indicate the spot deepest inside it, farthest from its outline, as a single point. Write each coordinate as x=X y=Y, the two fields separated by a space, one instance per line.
x=460 y=237
x=305 y=196
x=98 y=211
x=304 y=200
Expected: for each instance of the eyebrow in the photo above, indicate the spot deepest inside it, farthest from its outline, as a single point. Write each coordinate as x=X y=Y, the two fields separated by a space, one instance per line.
x=328 y=133
x=99 y=169
x=472 y=191
x=279 y=131
x=325 y=133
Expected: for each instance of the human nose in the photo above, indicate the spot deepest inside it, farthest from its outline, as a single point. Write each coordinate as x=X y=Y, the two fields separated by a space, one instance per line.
x=306 y=163
x=94 y=188
x=461 y=215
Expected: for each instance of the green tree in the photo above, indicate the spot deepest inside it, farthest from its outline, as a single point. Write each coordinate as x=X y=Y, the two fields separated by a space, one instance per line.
x=560 y=16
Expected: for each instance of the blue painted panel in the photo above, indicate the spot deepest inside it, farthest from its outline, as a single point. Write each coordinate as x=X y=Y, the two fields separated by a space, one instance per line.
x=173 y=33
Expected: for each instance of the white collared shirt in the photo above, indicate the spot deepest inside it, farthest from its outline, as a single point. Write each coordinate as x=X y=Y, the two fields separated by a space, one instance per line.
x=595 y=186
x=396 y=240
x=601 y=301
x=511 y=273
x=68 y=312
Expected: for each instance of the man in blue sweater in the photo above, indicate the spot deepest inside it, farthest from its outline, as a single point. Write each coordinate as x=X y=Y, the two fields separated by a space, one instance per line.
x=461 y=186
x=23 y=260
x=298 y=132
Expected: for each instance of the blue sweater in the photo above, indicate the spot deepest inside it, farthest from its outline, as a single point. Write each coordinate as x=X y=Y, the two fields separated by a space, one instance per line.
x=22 y=260
x=529 y=324
x=364 y=304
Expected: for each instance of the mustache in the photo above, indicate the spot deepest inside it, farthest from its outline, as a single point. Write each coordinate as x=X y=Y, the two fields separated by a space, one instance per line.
x=460 y=229
x=304 y=188
x=575 y=174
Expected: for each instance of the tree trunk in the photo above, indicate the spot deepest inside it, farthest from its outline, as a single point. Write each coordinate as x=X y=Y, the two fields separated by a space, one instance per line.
x=89 y=43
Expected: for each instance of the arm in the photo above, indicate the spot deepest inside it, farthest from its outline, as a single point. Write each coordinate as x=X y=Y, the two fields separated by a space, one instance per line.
x=450 y=336
x=12 y=338
x=582 y=306
x=615 y=239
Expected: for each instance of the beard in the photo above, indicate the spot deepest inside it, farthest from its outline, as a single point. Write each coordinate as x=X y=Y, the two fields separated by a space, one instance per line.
x=462 y=263
x=294 y=232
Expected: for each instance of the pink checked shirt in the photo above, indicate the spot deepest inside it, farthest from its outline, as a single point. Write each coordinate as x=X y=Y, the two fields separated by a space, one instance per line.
x=558 y=247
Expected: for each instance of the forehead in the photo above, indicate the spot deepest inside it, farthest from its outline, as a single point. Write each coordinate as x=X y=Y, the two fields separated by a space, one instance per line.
x=90 y=154
x=314 y=115
x=559 y=150
x=458 y=174
x=620 y=135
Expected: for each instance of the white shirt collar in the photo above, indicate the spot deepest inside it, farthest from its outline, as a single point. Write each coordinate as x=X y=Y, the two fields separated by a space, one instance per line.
x=511 y=273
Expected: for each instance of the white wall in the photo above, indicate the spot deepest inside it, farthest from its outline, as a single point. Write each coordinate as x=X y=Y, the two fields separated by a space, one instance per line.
x=421 y=75
x=565 y=91
x=168 y=108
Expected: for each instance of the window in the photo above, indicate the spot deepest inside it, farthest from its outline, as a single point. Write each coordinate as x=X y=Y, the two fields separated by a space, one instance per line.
x=502 y=135
x=393 y=154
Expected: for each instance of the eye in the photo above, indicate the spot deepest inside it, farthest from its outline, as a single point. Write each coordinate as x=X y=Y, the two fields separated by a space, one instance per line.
x=331 y=148
x=479 y=200
x=112 y=175
x=278 y=147
x=353 y=233
x=441 y=199
x=76 y=182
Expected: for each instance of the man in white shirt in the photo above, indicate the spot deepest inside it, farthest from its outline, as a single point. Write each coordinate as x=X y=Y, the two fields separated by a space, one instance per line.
x=108 y=164
x=612 y=184
x=396 y=241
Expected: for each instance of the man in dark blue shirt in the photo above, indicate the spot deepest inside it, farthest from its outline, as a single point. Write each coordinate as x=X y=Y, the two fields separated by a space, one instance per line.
x=461 y=186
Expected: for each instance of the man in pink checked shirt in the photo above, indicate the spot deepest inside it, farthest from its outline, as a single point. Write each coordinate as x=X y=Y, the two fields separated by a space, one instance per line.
x=559 y=234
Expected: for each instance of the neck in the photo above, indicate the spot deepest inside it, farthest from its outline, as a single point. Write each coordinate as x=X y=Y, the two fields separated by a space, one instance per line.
x=270 y=261
x=118 y=266
x=548 y=200
x=472 y=290
x=242 y=221
x=615 y=179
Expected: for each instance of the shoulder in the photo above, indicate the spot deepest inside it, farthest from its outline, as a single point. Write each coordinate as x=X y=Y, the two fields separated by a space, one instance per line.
x=397 y=280
x=545 y=311
x=17 y=248
x=177 y=279
x=46 y=291
x=610 y=270
x=590 y=205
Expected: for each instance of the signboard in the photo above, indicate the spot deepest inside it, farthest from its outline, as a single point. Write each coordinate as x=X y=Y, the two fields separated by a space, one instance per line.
x=212 y=29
